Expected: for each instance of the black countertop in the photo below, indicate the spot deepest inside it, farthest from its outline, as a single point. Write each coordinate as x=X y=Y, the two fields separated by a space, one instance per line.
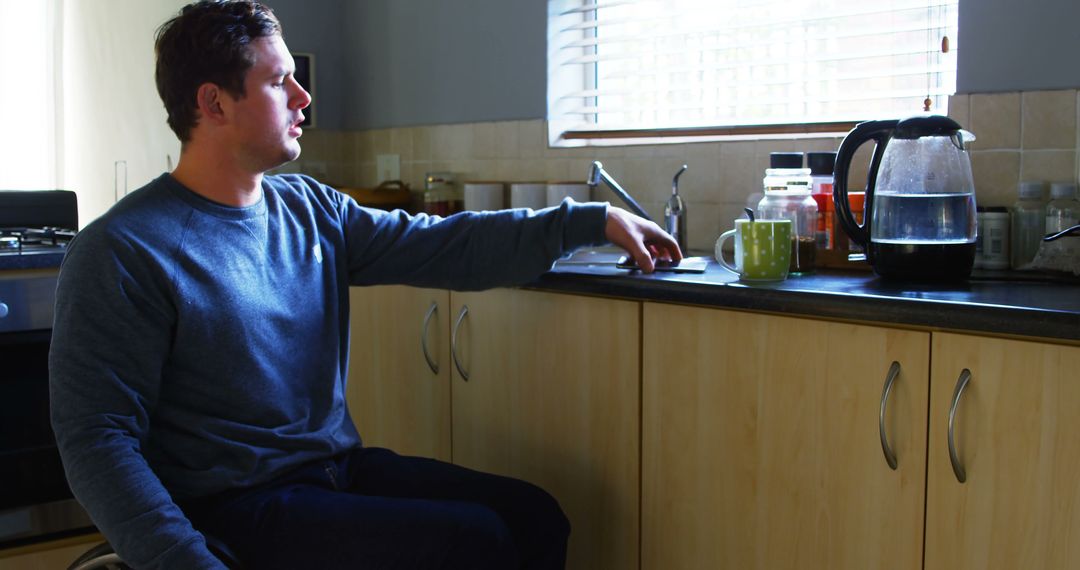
x=1003 y=303
x=995 y=303
x=31 y=261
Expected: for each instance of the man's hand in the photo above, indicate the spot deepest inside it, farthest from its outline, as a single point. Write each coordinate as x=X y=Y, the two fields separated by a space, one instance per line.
x=642 y=239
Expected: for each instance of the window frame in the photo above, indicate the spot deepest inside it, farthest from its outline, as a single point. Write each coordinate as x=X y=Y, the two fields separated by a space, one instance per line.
x=558 y=136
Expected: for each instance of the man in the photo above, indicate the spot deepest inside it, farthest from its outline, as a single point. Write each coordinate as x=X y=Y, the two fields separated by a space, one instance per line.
x=197 y=370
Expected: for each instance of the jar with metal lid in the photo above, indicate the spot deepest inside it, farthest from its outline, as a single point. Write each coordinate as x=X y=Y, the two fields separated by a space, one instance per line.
x=1027 y=221
x=440 y=197
x=787 y=197
x=1063 y=211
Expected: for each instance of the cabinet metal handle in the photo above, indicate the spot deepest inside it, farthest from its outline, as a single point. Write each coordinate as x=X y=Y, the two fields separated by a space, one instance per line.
x=961 y=383
x=453 y=342
x=890 y=455
x=433 y=310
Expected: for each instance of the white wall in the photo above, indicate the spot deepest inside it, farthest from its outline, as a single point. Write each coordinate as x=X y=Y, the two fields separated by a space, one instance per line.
x=111 y=110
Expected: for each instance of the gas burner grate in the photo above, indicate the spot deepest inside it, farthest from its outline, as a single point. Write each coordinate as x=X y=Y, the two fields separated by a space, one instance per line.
x=34 y=240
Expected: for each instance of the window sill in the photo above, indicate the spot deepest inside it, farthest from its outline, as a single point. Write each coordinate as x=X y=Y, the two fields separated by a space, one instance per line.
x=580 y=138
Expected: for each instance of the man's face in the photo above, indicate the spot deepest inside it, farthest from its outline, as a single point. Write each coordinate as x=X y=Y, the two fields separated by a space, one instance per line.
x=266 y=121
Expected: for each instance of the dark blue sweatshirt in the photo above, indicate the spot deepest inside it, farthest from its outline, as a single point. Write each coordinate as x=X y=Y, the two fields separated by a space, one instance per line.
x=199 y=347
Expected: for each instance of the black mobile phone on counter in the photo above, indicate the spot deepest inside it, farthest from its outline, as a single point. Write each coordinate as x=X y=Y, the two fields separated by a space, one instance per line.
x=687 y=265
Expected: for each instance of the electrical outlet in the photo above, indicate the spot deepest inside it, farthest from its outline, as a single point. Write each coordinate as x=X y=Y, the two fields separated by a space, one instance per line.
x=388 y=167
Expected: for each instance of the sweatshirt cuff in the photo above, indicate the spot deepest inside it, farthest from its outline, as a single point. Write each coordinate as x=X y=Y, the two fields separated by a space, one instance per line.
x=585 y=225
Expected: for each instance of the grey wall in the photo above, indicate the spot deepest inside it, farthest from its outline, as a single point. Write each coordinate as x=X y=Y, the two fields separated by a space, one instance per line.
x=316 y=26
x=421 y=62
x=392 y=63
x=1018 y=45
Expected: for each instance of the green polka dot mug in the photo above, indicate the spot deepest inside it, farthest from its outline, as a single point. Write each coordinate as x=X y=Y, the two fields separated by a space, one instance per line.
x=762 y=249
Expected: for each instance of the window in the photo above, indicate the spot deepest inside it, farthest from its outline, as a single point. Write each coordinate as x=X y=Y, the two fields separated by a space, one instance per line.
x=649 y=68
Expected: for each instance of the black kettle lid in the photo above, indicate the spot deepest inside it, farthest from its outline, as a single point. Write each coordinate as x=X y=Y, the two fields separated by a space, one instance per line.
x=926 y=126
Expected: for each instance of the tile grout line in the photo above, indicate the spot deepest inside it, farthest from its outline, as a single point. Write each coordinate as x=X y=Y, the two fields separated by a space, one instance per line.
x=1020 y=172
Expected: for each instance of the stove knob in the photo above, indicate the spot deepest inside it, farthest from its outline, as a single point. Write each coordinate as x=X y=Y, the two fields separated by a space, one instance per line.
x=3 y=310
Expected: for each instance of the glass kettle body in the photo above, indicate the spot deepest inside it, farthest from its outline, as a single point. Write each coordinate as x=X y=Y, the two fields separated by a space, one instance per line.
x=920 y=218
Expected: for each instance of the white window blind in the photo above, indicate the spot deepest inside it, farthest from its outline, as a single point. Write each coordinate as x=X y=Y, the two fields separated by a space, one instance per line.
x=714 y=66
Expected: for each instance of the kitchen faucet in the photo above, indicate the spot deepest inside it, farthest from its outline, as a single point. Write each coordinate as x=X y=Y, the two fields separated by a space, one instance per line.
x=597 y=173
x=674 y=211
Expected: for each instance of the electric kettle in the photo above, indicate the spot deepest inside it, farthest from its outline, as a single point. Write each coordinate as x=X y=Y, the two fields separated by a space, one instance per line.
x=919 y=213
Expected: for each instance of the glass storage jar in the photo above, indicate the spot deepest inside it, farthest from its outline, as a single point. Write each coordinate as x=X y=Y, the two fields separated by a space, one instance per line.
x=787 y=197
x=1063 y=211
x=1027 y=223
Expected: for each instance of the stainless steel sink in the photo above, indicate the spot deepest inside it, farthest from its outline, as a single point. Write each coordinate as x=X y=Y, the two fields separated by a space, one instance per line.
x=594 y=261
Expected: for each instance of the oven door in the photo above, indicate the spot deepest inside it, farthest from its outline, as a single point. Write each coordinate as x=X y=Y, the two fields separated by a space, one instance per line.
x=30 y=470
x=35 y=501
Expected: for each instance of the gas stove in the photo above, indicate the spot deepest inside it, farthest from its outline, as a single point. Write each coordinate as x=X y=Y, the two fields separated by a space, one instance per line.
x=34 y=241
x=35 y=501
x=35 y=227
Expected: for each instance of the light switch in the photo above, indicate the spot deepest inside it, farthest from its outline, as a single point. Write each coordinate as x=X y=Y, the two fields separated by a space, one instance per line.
x=388 y=167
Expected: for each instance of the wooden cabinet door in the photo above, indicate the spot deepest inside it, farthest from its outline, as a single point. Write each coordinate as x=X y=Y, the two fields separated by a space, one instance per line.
x=1017 y=440
x=48 y=556
x=399 y=397
x=761 y=446
x=552 y=397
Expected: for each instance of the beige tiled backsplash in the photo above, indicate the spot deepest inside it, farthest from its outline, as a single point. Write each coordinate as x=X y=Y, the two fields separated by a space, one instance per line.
x=1020 y=136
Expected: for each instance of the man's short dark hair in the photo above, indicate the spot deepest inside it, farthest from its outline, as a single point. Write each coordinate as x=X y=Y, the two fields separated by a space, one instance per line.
x=207 y=42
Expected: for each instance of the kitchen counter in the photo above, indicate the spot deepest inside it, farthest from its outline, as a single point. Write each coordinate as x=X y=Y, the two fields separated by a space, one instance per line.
x=31 y=261
x=996 y=303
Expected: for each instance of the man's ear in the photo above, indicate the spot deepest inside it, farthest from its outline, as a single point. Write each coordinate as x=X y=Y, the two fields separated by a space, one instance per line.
x=209 y=99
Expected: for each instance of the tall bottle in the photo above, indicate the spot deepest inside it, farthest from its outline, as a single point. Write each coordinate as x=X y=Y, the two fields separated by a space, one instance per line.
x=1063 y=211
x=821 y=175
x=1027 y=224
x=787 y=197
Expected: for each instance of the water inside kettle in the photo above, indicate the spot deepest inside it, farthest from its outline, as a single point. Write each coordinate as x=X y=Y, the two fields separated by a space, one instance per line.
x=924 y=218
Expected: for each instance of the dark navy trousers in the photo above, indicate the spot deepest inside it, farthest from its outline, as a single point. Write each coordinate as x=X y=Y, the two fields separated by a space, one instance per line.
x=372 y=509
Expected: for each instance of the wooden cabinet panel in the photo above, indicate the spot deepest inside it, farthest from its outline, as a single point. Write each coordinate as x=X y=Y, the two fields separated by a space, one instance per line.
x=753 y=439
x=761 y=446
x=49 y=555
x=1016 y=429
x=395 y=398
x=553 y=397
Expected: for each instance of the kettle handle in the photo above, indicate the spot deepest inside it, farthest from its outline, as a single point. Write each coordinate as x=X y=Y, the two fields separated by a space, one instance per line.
x=880 y=132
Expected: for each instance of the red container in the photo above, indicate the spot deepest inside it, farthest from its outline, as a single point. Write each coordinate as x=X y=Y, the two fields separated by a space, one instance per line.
x=834 y=233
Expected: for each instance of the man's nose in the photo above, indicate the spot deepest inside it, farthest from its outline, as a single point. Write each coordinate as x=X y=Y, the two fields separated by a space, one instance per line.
x=301 y=98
